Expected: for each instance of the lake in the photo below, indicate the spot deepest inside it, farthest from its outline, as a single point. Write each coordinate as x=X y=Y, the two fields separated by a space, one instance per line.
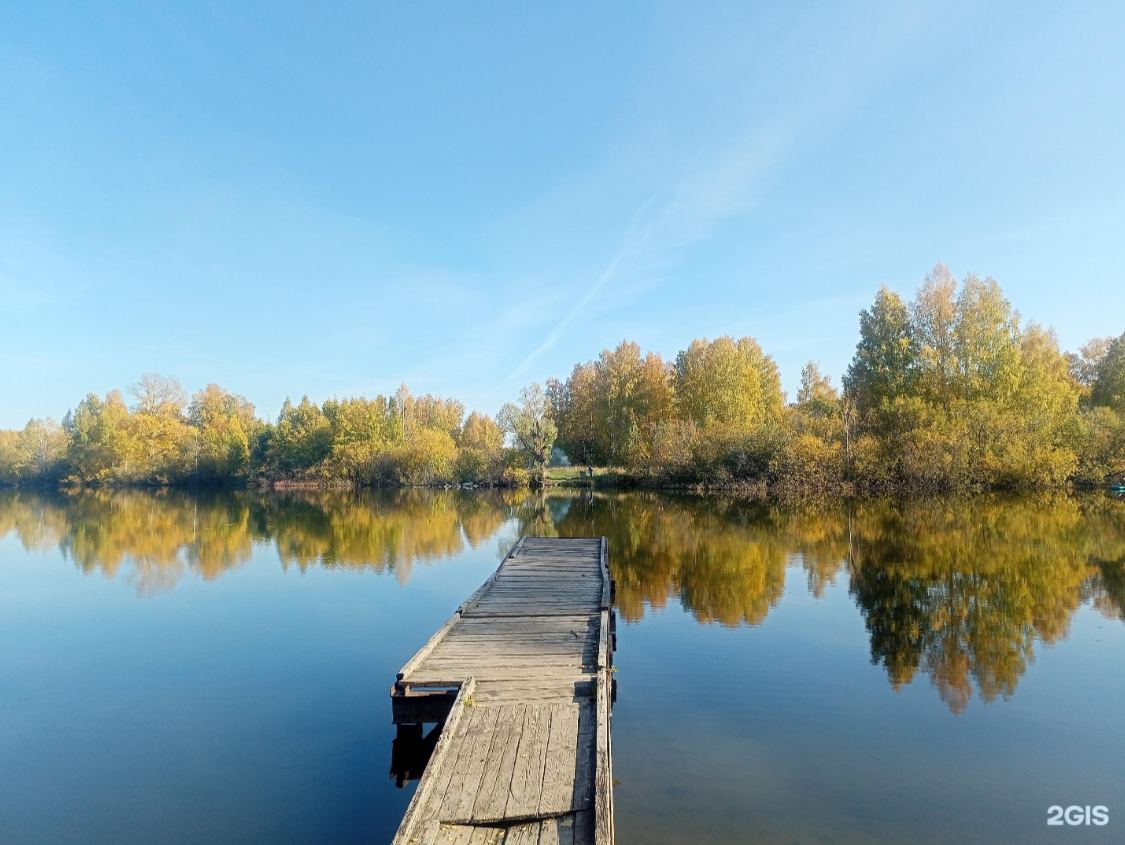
x=215 y=668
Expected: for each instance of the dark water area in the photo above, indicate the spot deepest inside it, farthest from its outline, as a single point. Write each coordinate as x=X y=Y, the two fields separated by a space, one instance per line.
x=216 y=669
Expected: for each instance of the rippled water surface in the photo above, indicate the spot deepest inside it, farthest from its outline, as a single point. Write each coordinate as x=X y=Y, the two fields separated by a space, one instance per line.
x=215 y=668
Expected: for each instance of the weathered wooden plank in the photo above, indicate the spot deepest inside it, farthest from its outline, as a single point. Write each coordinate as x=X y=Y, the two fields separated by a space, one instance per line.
x=603 y=776
x=462 y=834
x=498 y=653
x=557 y=795
x=578 y=572
x=557 y=831
x=447 y=739
x=568 y=691
x=581 y=600
x=472 y=628
x=469 y=625
x=566 y=632
x=476 y=627
x=550 y=649
x=572 y=685
x=430 y=645
x=468 y=767
x=514 y=582
x=531 y=626
x=582 y=795
x=516 y=600
x=510 y=579
x=492 y=653
x=451 y=623
x=565 y=640
x=515 y=659
x=531 y=759
x=604 y=566
x=541 y=560
x=426 y=832
x=453 y=733
x=517 y=669
x=574 y=676
x=524 y=613
x=471 y=600
x=499 y=767
x=523 y=834
x=515 y=665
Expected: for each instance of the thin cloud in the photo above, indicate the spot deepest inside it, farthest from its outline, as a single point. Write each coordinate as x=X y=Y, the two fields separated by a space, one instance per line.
x=701 y=199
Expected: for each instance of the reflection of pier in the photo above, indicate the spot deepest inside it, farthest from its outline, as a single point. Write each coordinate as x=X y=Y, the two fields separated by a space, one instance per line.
x=521 y=678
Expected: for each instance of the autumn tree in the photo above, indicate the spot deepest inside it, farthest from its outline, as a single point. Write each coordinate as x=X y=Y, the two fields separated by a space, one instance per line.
x=222 y=424
x=479 y=453
x=98 y=432
x=953 y=392
x=157 y=428
x=727 y=382
x=9 y=457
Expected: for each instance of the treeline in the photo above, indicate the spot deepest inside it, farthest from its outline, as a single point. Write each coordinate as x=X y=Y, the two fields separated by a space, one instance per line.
x=216 y=438
x=946 y=391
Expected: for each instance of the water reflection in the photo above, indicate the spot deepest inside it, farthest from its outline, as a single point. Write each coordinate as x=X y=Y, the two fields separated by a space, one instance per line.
x=959 y=591
x=154 y=538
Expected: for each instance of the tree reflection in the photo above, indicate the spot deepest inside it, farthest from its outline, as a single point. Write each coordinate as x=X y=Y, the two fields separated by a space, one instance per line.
x=962 y=590
x=155 y=537
x=959 y=590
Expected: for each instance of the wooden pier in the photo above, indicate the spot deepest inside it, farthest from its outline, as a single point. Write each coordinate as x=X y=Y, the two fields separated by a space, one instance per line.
x=521 y=676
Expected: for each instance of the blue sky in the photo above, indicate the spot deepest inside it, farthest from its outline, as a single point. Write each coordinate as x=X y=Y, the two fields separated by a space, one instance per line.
x=335 y=198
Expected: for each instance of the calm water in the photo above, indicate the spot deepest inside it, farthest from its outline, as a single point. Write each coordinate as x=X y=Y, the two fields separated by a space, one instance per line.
x=215 y=669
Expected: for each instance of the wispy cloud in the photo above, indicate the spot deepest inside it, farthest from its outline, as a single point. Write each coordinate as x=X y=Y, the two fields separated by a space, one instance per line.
x=672 y=218
x=635 y=242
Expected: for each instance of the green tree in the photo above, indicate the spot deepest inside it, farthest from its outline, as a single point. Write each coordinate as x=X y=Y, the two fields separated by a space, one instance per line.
x=885 y=355
x=98 y=448
x=40 y=451
x=531 y=427
x=9 y=457
x=301 y=439
x=817 y=397
x=481 y=445
x=576 y=405
x=157 y=429
x=362 y=432
x=482 y=433
x=222 y=424
x=933 y=320
x=1109 y=388
x=1084 y=366
x=986 y=343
